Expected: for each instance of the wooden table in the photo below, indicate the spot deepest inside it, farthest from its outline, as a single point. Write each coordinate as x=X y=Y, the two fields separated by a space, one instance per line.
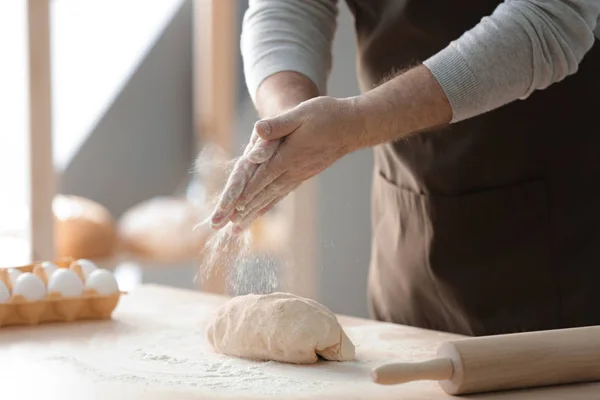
x=154 y=348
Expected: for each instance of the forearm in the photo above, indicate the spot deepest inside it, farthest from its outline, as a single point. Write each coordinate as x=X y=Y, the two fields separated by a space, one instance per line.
x=282 y=91
x=524 y=46
x=500 y=60
x=287 y=35
x=412 y=101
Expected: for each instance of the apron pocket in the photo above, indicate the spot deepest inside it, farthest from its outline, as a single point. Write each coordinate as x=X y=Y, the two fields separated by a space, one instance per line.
x=487 y=255
x=401 y=286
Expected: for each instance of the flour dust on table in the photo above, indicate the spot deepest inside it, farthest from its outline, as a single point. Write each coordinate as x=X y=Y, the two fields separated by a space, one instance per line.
x=222 y=251
x=173 y=354
x=280 y=327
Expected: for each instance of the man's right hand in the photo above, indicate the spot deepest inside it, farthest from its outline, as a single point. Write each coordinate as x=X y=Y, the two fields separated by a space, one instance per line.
x=278 y=93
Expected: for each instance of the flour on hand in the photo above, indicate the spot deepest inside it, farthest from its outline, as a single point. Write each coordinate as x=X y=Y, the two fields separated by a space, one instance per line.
x=280 y=327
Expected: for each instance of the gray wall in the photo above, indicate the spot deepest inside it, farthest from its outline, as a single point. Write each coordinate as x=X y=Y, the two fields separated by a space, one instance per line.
x=143 y=145
x=344 y=199
x=344 y=232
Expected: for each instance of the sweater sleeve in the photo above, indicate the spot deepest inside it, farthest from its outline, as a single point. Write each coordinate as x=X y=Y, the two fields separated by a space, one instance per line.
x=524 y=46
x=288 y=35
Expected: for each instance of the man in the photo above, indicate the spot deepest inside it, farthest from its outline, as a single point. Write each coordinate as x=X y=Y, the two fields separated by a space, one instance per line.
x=483 y=119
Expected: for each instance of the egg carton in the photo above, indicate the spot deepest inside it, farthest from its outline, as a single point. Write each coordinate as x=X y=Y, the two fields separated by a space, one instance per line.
x=54 y=307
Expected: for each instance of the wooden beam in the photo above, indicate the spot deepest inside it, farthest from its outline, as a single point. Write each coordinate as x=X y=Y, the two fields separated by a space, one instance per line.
x=42 y=182
x=215 y=56
x=300 y=272
x=215 y=26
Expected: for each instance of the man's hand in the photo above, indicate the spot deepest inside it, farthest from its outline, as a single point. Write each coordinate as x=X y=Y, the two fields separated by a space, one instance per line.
x=278 y=93
x=257 y=151
x=307 y=139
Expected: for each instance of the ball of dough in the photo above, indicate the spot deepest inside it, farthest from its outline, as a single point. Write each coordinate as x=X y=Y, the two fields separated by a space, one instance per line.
x=280 y=327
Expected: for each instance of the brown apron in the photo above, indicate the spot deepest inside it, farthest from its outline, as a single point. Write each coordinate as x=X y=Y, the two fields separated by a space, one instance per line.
x=491 y=225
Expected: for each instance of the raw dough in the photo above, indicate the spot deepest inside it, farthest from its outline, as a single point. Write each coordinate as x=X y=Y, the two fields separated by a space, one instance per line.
x=280 y=327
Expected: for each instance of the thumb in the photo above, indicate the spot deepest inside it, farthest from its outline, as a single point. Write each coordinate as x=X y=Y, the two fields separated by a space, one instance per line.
x=278 y=126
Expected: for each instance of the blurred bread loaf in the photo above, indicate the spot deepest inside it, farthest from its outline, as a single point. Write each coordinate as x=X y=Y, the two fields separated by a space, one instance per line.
x=84 y=228
x=163 y=229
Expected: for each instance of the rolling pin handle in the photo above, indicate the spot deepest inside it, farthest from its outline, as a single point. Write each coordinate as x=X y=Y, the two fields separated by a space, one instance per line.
x=390 y=374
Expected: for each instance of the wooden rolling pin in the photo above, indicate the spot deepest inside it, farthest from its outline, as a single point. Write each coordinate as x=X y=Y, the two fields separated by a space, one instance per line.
x=509 y=361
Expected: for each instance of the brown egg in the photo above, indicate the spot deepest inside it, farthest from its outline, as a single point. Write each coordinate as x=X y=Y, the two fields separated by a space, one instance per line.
x=83 y=228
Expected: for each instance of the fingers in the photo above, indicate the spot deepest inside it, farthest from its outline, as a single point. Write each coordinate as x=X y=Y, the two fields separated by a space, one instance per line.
x=253 y=138
x=280 y=125
x=236 y=183
x=221 y=221
x=257 y=168
x=245 y=223
x=263 y=198
x=247 y=220
x=224 y=209
x=269 y=206
x=263 y=150
x=265 y=174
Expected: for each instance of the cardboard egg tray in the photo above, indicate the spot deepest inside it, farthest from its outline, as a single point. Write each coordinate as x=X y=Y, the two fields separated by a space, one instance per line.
x=55 y=308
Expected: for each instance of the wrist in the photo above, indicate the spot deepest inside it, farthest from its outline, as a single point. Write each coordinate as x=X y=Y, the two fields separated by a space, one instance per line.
x=411 y=102
x=357 y=135
x=283 y=91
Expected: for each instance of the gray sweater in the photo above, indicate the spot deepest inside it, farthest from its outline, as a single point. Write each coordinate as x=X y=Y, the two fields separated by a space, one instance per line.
x=525 y=45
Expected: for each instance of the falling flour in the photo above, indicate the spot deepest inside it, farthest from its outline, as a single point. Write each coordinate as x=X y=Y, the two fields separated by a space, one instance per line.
x=245 y=271
x=227 y=254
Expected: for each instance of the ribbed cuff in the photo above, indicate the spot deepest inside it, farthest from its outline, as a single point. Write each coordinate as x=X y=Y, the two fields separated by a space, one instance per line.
x=275 y=63
x=458 y=82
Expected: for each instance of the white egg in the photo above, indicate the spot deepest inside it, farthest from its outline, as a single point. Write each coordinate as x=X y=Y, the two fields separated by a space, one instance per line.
x=102 y=281
x=87 y=267
x=13 y=274
x=29 y=286
x=4 y=293
x=49 y=268
x=66 y=282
